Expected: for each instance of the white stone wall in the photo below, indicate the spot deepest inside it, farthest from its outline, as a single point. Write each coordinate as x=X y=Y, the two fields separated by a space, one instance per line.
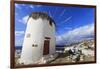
x=29 y=53
x=35 y=33
x=50 y=32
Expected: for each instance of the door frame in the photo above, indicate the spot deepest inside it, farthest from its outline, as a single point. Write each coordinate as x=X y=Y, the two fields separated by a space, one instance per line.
x=46 y=45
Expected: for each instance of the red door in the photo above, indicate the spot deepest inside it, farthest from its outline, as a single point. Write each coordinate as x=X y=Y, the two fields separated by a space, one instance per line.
x=46 y=47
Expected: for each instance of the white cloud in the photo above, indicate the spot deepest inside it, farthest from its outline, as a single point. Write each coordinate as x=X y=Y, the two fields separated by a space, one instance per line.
x=76 y=34
x=31 y=6
x=19 y=33
x=24 y=19
x=23 y=4
x=19 y=42
x=38 y=5
x=17 y=6
x=19 y=36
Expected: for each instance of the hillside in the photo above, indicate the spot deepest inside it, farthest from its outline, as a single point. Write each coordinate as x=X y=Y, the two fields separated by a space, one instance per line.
x=83 y=51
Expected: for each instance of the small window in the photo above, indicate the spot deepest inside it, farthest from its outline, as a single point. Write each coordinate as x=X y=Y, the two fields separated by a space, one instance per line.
x=28 y=35
x=22 y=63
x=50 y=22
x=34 y=45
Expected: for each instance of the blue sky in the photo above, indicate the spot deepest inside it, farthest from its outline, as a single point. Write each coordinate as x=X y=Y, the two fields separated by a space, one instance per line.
x=72 y=23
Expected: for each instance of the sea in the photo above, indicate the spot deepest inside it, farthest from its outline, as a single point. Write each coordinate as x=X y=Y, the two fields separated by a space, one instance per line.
x=18 y=47
x=58 y=47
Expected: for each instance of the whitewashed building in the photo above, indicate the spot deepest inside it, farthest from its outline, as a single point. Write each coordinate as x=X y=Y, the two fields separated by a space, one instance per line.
x=39 y=40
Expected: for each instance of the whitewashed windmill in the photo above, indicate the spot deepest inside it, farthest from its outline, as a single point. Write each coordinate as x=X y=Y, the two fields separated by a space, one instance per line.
x=39 y=39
